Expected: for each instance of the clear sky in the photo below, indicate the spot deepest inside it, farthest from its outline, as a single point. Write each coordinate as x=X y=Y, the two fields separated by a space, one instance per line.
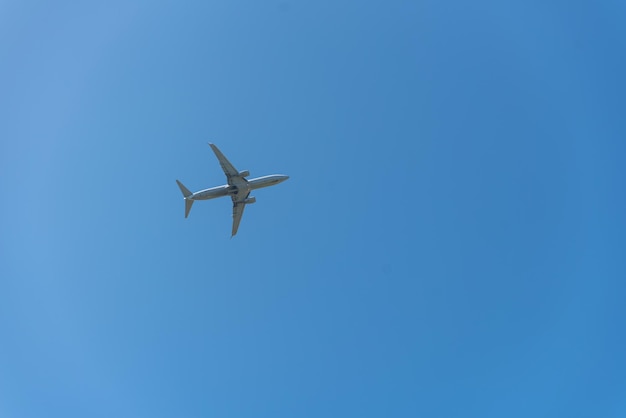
x=451 y=242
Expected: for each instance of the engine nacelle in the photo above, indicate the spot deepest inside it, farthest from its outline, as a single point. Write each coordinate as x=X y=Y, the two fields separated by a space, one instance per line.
x=244 y=173
x=249 y=200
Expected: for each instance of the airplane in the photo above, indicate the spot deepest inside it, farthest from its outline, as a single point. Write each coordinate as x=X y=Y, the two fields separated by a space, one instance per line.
x=238 y=188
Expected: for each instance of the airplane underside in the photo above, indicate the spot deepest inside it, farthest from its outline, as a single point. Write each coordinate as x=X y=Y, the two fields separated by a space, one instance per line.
x=238 y=188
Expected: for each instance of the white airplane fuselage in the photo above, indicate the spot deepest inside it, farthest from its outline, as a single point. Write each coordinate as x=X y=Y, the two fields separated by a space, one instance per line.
x=240 y=188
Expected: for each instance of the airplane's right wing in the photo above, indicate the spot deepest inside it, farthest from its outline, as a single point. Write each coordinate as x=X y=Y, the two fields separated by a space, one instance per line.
x=238 y=208
x=228 y=168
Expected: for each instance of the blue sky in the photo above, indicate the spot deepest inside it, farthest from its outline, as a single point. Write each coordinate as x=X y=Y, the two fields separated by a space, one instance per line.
x=450 y=243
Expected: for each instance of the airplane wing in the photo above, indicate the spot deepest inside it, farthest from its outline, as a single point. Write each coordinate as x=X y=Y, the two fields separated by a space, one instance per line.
x=238 y=208
x=228 y=168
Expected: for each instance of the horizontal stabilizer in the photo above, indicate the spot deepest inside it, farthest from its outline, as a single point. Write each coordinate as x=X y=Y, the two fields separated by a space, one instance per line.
x=187 y=194
x=183 y=189
x=188 y=204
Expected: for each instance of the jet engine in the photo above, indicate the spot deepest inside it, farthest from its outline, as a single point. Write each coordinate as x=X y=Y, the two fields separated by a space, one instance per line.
x=244 y=173
x=250 y=200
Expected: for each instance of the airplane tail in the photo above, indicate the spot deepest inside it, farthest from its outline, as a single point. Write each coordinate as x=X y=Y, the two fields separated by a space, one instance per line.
x=186 y=194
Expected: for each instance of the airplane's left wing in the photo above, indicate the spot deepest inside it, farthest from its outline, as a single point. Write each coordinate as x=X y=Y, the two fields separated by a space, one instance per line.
x=228 y=168
x=238 y=208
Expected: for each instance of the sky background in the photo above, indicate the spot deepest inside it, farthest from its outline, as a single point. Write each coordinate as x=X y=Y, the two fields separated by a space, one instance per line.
x=451 y=241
